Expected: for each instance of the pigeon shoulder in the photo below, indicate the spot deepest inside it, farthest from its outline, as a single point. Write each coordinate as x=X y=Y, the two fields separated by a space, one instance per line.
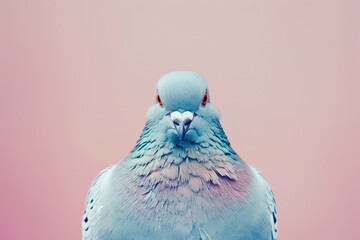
x=94 y=206
x=267 y=199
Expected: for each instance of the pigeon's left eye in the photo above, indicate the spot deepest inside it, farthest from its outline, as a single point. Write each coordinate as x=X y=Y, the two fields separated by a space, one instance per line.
x=158 y=99
x=205 y=99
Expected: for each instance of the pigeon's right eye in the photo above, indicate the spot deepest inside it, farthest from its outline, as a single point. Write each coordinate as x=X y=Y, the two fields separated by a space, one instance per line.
x=158 y=99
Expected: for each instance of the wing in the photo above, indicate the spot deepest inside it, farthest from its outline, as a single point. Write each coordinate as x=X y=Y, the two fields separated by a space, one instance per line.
x=272 y=213
x=271 y=203
x=93 y=207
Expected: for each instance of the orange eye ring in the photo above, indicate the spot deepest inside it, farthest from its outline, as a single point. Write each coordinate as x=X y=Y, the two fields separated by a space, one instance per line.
x=158 y=99
x=205 y=99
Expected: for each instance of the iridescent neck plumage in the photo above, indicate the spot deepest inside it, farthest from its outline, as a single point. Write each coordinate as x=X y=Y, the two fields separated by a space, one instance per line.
x=155 y=143
x=210 y=159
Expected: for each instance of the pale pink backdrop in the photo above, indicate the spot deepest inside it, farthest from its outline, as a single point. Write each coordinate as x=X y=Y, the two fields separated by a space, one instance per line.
x=76 y=78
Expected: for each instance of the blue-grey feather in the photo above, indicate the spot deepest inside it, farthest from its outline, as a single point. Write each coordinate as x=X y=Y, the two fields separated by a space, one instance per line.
x=187 y=190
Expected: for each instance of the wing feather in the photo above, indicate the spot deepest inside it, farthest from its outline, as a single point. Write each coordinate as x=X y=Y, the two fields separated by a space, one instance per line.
x=271 y=203
x=93 y=207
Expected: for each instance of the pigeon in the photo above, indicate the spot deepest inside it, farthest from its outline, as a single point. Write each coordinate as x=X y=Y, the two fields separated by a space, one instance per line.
x=183 y=179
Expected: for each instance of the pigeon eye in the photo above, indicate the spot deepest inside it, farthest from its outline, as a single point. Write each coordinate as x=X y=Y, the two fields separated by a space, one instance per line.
x=205 y=99
x=158 y=99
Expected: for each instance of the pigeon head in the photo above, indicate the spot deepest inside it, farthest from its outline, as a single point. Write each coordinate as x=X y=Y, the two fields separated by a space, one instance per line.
x=182 y=112
x=182 y=91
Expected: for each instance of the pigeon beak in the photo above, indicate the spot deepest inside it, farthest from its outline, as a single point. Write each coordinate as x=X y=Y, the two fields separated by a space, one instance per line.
x=180 y=128
x=181 y=122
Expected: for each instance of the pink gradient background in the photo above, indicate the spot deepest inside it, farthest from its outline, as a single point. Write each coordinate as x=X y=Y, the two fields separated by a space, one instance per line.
x=76 y=78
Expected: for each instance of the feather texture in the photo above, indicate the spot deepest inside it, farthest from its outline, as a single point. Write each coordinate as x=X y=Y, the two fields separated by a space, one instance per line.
x=194 y=189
